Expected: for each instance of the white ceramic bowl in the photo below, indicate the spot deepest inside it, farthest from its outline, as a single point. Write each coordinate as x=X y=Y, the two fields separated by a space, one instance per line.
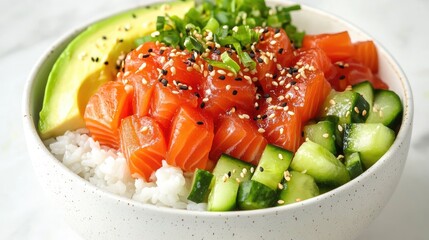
x=339 y=214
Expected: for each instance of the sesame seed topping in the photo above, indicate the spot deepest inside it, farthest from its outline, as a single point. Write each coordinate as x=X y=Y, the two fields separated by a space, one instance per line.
x=280 y=186
x=272 y=115
x=280 y=156
x=291 y=113
x=234 y=92
x=325 y=135
x=252 y=169
x=205 y=99
x=364 y=112
x=281 y=130
x=280 y=201
x=200 y=123
x=144 y=129
x=228 y=87
x=261 y=130
x=340 y=128
x=332 y=102
x=356 y=109
x=221 y=77
x=261 y=169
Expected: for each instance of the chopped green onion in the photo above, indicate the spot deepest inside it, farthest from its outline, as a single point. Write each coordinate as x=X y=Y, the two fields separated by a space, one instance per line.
x=219 y=64
x=193 y=44
x=212 y=25
x=160 y=23
x=232 y=65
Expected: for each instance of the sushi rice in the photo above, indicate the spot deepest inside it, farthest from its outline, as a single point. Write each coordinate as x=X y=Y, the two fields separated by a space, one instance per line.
x=107 y=169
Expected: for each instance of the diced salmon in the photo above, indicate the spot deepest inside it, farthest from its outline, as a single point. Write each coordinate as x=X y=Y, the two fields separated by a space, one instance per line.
x=365 y=52
x=238 y=136
x=104 y=112
x=337 y=46
x=143 y=144
x=166 y=101
x=191 y=139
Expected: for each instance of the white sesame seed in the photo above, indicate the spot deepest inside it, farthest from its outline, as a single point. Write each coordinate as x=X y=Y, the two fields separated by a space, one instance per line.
x=291 y=113
x=274 y=83
x=356 y=109
x=340 y=128
x=142 y=66
x=261 y=130
x=252 y=169
x=288 y=85
x=297 y=76
x=144 y=81
x=228 y=87
x=272 y=115
x=205 y=99
x=155 y=34
x=325 y=135
x=273 y=42
x=298 y=200
x=282 y=130
x=220 y=71
x=144 y=129
x=364 y=112
x=280 y=156
x=332 y=102
x=277 y=35
x=280 y=186
x=244 y=170
x=280 y=201
x=189 y=69
x=175 y=92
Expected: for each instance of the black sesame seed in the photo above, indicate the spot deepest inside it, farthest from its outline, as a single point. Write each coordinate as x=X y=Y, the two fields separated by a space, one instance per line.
x=266 y=95
x=209 y=47
x=106 y=63
x=104 y=37
x=183 y=87
x=164 y=72
x=150 y=50
x=264 y=116
x=192 y=59
x=265 y=30
x=146 y=55
x=341 y=66
x=210 y=67
x=200 y=123
x=202 y=105
x=280 y=51
x=234 y=92
x=255 y=118
x=261 y=169
x=238 y=79
x=260 y=60
x=292 y=70
x=277 y=30
x=222 y=77
x=134 y=15
x=229 y=173
x=261 y=38
x=252 y=54
x=163 y=81
x=161 y=51
x=274 y=75
x=283 y=104
x=292 y=82
x=342 y=77
x=197 y=95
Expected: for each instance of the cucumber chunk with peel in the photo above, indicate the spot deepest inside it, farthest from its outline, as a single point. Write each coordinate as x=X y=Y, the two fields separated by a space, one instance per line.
x=371 y=140
x=301 y=186
x=322 y=165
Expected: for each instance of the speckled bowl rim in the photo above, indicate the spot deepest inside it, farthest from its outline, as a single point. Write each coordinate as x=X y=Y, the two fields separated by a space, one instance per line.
x=30 y=127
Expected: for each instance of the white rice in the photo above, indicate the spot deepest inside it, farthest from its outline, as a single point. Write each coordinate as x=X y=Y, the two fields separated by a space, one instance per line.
x=107 y=169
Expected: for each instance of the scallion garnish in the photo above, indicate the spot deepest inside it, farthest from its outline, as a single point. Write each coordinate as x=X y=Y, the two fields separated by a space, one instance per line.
x=232 y=65
x=230 y=23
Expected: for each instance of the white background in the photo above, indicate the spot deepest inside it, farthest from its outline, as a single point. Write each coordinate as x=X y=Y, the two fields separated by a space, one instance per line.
x=28 y=28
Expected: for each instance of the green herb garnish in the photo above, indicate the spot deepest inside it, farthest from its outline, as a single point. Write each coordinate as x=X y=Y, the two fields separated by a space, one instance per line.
x=226 y=23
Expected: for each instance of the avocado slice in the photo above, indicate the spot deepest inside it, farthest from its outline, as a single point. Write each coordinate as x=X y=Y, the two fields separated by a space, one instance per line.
x=91 y=60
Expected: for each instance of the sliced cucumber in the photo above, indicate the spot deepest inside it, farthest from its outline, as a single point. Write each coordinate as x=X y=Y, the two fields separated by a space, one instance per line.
x=274 y=161
x=229 y=172
x=232 y=167
x=223 y=195
x=348 y=106
x=255 y=195
x=386 y=109
x=300 y=187
x=366 y=90
x=322 y=133
x=319 y=163
x=339 y=130
x=353 y=164
x=371 y=140
x=201 y=185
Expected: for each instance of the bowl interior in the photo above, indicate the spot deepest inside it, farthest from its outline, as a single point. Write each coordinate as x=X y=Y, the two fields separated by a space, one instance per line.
x=320 y=22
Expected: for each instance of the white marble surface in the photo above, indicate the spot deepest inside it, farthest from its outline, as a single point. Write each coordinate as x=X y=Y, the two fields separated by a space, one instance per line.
x=27 y=28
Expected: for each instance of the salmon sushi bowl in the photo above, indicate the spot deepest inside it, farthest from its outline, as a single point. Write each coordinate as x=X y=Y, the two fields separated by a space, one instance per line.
x=218 y=115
